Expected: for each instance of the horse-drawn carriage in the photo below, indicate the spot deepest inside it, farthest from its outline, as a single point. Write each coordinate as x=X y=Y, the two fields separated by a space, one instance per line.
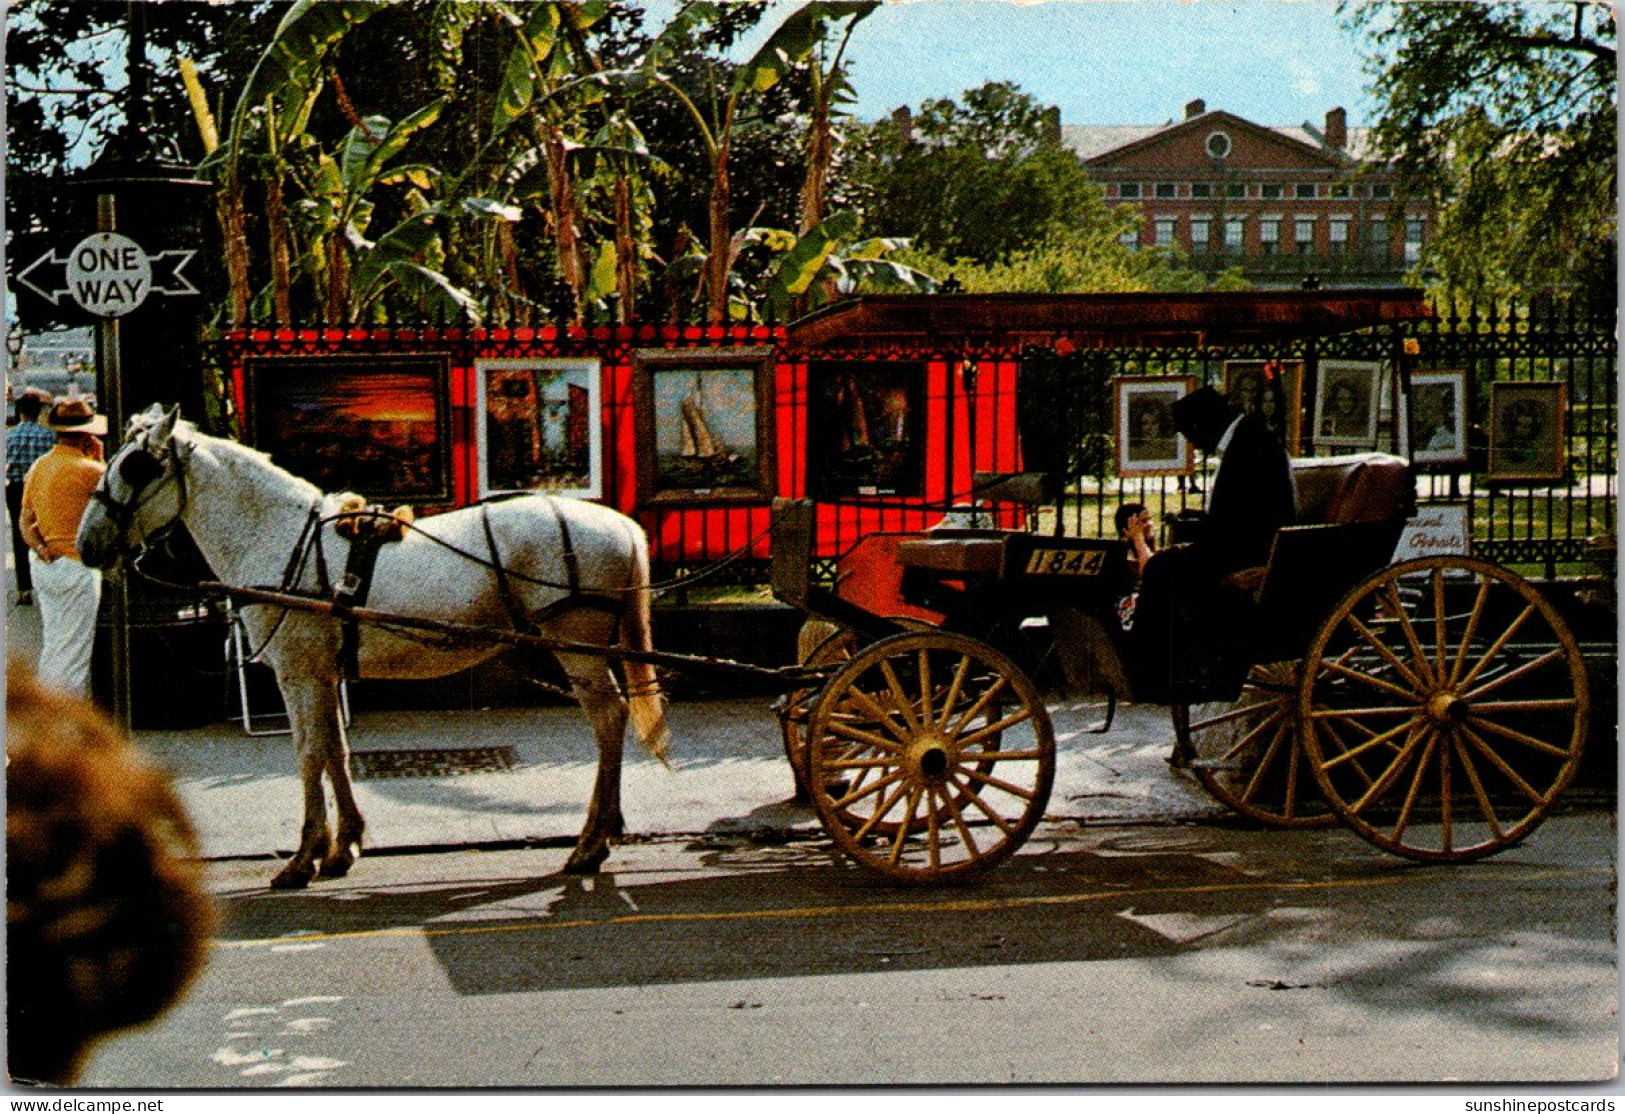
x=1437 y=706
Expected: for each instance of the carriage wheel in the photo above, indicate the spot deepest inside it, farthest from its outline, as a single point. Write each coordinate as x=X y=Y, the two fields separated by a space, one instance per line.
x=830 y=643
x=1444 y=708
x=834 y=647
x=1247 y=753
x=930 y=756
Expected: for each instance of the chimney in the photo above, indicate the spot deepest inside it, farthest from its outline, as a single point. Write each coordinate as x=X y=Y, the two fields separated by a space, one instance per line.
x=904 y=119
x=1195 y=109
x=1337 y=129
x=1052 y=124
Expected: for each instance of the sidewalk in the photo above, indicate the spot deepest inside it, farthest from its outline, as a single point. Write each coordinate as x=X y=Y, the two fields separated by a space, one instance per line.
x=729 y=773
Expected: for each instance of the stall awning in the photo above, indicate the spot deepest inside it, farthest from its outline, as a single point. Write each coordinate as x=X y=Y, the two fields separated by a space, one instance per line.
x=956 y=321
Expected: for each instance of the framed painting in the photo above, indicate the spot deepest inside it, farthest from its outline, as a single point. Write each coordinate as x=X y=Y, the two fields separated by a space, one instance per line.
x=1271 y=390
x=704 y=420
x=1436 y=416
x=866 y=429
x=1347 y=402
x=378 y=426
x=1147 y=443
x=540 y=427
x=1528 y=428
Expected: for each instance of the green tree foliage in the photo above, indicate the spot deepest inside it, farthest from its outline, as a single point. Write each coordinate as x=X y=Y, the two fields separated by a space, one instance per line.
x=978 y=180
x=1503 y=115
x=986 y=191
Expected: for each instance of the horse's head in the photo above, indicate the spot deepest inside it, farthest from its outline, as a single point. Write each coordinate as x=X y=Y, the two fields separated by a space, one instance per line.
x=142 y=493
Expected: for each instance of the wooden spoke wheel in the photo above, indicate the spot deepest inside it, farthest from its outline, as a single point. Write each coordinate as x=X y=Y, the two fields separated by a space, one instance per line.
x=930 y=756
x=1247 y=752
x=820 y=642
x=1444 y=708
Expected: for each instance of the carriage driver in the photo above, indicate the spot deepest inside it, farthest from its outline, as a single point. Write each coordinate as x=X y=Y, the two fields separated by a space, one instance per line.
x=1185 y=631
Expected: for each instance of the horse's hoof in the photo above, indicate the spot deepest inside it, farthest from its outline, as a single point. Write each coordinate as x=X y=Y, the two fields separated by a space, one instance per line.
x=293 y=877
x=338 y=864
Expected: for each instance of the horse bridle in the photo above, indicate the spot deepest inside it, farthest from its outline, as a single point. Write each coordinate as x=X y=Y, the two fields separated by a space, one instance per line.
x=141 y=469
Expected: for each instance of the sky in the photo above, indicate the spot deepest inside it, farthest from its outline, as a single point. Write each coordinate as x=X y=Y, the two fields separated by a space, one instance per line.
x=1276 y=62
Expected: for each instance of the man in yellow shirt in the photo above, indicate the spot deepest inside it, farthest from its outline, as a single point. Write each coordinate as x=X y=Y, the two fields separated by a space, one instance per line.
x=55 y=493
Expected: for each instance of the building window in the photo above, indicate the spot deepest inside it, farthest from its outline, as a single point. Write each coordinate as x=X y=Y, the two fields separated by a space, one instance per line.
x=1129 y=191
x=1304 y=235
x=1200 y=233
x=1218 y=145
x=1272 y=191
x=1164 y=227
x=1235 y=191
x=1377 y=238
x=1167 y=189
x=1381 y=191
x=1415 y=229
x=1269 y=236
x=1341 y=190
x=1232 y=235
x=1201 y=189
x=1304 y=191
x=1337 y=235
x=1130 y=239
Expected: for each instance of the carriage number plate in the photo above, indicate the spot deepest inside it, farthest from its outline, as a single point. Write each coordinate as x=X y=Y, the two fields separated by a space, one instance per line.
x=1066 y=562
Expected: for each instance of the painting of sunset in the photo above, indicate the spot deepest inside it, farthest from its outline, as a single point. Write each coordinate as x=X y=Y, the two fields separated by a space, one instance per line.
x=375 y=427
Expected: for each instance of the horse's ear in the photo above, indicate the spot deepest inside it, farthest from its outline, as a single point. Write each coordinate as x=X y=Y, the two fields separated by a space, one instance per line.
x=160 y=433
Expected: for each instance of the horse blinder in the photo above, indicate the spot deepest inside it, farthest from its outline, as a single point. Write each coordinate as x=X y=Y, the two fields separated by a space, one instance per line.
x=140 y=468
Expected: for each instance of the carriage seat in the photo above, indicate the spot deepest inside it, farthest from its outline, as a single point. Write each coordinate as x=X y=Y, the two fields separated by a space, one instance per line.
x=1358 y=488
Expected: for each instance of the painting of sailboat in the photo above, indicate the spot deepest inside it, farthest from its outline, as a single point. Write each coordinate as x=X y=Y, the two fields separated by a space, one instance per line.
x=706 y=418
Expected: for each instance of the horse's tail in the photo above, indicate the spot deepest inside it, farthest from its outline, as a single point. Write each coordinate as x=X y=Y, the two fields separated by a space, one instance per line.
x=647 y=701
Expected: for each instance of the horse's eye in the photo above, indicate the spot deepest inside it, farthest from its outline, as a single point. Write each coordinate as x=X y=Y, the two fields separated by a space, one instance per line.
x=139 y=469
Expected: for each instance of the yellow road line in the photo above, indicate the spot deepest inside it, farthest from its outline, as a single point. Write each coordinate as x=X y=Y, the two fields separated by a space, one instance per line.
x=982 y=905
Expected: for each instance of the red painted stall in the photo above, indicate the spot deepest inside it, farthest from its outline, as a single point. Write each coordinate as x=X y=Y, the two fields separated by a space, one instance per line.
x=887 y=410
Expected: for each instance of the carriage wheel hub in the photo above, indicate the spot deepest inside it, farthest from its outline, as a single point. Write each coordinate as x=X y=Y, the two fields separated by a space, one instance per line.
x=1447 y=706
x=928 y=757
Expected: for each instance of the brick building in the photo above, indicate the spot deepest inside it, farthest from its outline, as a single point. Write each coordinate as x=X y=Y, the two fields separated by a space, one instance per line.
x=1283 y=203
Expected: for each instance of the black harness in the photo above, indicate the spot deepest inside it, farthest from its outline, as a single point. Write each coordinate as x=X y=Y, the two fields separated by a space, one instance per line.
x=140 y=469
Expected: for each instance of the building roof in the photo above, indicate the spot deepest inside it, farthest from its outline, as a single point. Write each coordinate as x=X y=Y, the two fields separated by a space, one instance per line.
x=949 y=321
x=1090 y=141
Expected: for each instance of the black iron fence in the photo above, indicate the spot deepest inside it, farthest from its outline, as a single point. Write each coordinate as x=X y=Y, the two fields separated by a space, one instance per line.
x=1550 y=526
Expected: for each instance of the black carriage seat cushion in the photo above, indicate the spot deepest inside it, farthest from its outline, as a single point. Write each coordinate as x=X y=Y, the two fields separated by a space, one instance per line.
x=1361 y=487
x=1351 y=510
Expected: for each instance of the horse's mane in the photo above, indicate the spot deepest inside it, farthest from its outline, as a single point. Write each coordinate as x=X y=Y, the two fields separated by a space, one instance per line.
x=244 y=460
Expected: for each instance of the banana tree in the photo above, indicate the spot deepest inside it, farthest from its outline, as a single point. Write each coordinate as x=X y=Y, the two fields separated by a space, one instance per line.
x=827 y=84
x=278 y=96
x=827 y=260
x=338 y=207
x=786 y=48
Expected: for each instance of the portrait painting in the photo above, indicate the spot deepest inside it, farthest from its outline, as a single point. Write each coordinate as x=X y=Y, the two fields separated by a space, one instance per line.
x=704 y=422
x=540 y=427
x=1271 y=390
x=1147 y=443
x=866 y=426
x=379 y=427
x=1347 y=402
x=1437 y=417
x=1528 y=431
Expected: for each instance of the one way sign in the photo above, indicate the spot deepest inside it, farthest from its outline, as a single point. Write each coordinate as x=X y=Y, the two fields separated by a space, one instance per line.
x=108 y=274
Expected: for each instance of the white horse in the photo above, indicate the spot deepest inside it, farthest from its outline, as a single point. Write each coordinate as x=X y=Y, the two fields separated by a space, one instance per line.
x=574 y=570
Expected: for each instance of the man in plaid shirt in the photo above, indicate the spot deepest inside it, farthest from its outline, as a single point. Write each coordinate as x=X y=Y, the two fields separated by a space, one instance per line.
x=26 y=442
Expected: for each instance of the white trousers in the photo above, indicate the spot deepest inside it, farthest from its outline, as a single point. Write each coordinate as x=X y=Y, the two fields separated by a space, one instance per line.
x=68 y=596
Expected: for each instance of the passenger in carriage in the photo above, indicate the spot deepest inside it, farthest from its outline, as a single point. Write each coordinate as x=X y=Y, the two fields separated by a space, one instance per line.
x=1187 y=624
x=1134 y=526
